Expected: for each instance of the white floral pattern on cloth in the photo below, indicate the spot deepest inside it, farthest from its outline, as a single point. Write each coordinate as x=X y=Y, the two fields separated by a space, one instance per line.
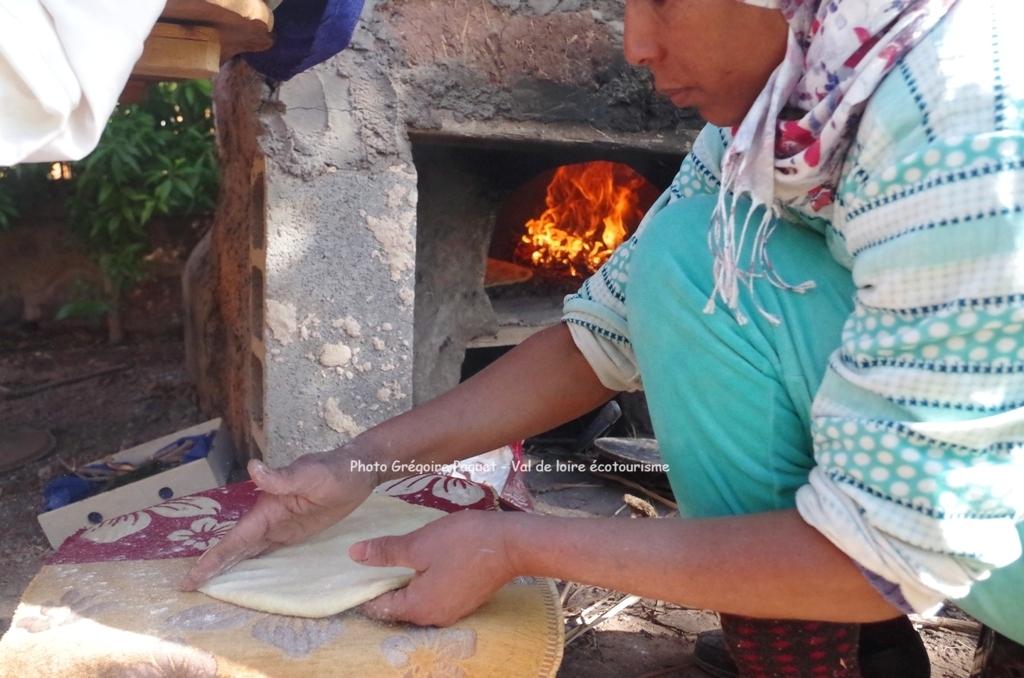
x=186 y=507
x=430 y=653
x=202 y=533
x=442 y=492
x=118 y=528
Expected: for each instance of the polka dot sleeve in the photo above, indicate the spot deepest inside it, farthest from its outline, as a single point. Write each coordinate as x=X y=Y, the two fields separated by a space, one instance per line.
x=918 y=426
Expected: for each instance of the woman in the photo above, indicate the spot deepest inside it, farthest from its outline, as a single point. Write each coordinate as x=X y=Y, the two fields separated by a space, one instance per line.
x=881 y=283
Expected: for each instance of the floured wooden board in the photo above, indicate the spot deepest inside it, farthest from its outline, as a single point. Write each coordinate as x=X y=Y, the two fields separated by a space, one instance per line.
x=317 y=578
x=127 y=618
x=107 y=604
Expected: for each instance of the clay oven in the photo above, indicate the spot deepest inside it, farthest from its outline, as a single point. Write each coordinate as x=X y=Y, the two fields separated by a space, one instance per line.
x=344 y=278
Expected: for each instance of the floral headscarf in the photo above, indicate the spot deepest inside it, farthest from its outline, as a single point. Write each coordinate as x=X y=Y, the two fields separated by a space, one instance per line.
x=790 y=147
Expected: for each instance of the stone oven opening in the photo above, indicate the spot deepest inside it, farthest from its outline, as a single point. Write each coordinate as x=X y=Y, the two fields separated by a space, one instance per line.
x=551 y=233
x=505 y=231
x=567 y=221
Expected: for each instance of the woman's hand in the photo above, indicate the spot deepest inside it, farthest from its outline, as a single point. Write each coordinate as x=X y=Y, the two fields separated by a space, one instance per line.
x=460 y=560
x=484 y=412
x=297 y=501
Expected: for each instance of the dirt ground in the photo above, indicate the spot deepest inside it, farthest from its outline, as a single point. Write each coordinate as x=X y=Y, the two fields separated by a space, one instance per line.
x=88 y=420
x=153 y=397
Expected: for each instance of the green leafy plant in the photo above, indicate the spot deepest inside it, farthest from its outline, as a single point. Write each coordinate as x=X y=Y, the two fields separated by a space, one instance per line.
x=155 y=159
x=87 y=303
x=92 y=309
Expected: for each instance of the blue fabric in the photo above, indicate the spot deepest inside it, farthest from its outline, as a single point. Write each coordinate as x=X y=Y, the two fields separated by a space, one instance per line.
x=200 y=447
x=67 y=489
x=307 y=32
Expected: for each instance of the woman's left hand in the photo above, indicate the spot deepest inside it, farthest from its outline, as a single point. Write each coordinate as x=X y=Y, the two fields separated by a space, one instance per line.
x=461 y=560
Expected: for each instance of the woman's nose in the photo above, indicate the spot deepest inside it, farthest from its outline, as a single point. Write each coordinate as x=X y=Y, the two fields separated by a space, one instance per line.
x=639 y=41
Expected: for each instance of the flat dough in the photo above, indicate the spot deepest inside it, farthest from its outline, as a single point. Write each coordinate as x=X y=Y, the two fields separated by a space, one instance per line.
x=317 y=578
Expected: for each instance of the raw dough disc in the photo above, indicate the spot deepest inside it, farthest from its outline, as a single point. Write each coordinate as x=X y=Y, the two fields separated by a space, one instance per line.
x=317 y=578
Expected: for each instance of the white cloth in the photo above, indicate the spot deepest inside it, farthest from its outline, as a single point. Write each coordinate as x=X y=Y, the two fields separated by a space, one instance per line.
x=63 y=64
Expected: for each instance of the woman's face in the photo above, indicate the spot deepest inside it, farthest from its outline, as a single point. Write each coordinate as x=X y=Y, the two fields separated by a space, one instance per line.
x=712 y=55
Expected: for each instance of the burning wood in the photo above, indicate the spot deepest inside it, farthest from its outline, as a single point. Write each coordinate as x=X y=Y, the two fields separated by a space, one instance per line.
x=591 y=208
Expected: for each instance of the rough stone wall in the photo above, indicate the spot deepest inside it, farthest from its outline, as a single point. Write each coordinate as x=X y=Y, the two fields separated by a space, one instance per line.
x=340 y=256
x=338 y=272
x=547 y=61
x=452 y=239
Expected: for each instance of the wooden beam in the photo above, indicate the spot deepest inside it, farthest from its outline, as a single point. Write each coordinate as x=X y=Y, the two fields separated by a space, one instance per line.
x=175 y=52
x=244 y=25
x=194 y=37
x=219 y=11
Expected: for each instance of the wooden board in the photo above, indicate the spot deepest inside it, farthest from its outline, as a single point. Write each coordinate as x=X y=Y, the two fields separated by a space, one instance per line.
x=174 y=52
x=194 y=37
x=127 y=618
x=244 y=25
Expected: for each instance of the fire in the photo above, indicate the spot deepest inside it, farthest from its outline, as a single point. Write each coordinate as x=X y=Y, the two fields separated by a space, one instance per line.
x=591 y=208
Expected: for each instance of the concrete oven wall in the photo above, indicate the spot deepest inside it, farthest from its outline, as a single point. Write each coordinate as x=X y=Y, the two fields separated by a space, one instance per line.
x=337 y=269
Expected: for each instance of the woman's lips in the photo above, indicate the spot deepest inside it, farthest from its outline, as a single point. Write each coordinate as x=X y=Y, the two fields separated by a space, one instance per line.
x=680 y=96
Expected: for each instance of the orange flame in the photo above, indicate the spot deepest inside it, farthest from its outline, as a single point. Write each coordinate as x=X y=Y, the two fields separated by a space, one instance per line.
x=591 y=207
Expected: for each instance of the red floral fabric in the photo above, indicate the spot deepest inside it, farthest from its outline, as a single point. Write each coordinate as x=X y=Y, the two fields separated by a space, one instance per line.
x=187 y=526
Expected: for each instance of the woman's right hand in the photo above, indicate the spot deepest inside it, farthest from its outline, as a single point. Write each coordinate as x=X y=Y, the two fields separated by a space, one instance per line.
x=296 y=501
